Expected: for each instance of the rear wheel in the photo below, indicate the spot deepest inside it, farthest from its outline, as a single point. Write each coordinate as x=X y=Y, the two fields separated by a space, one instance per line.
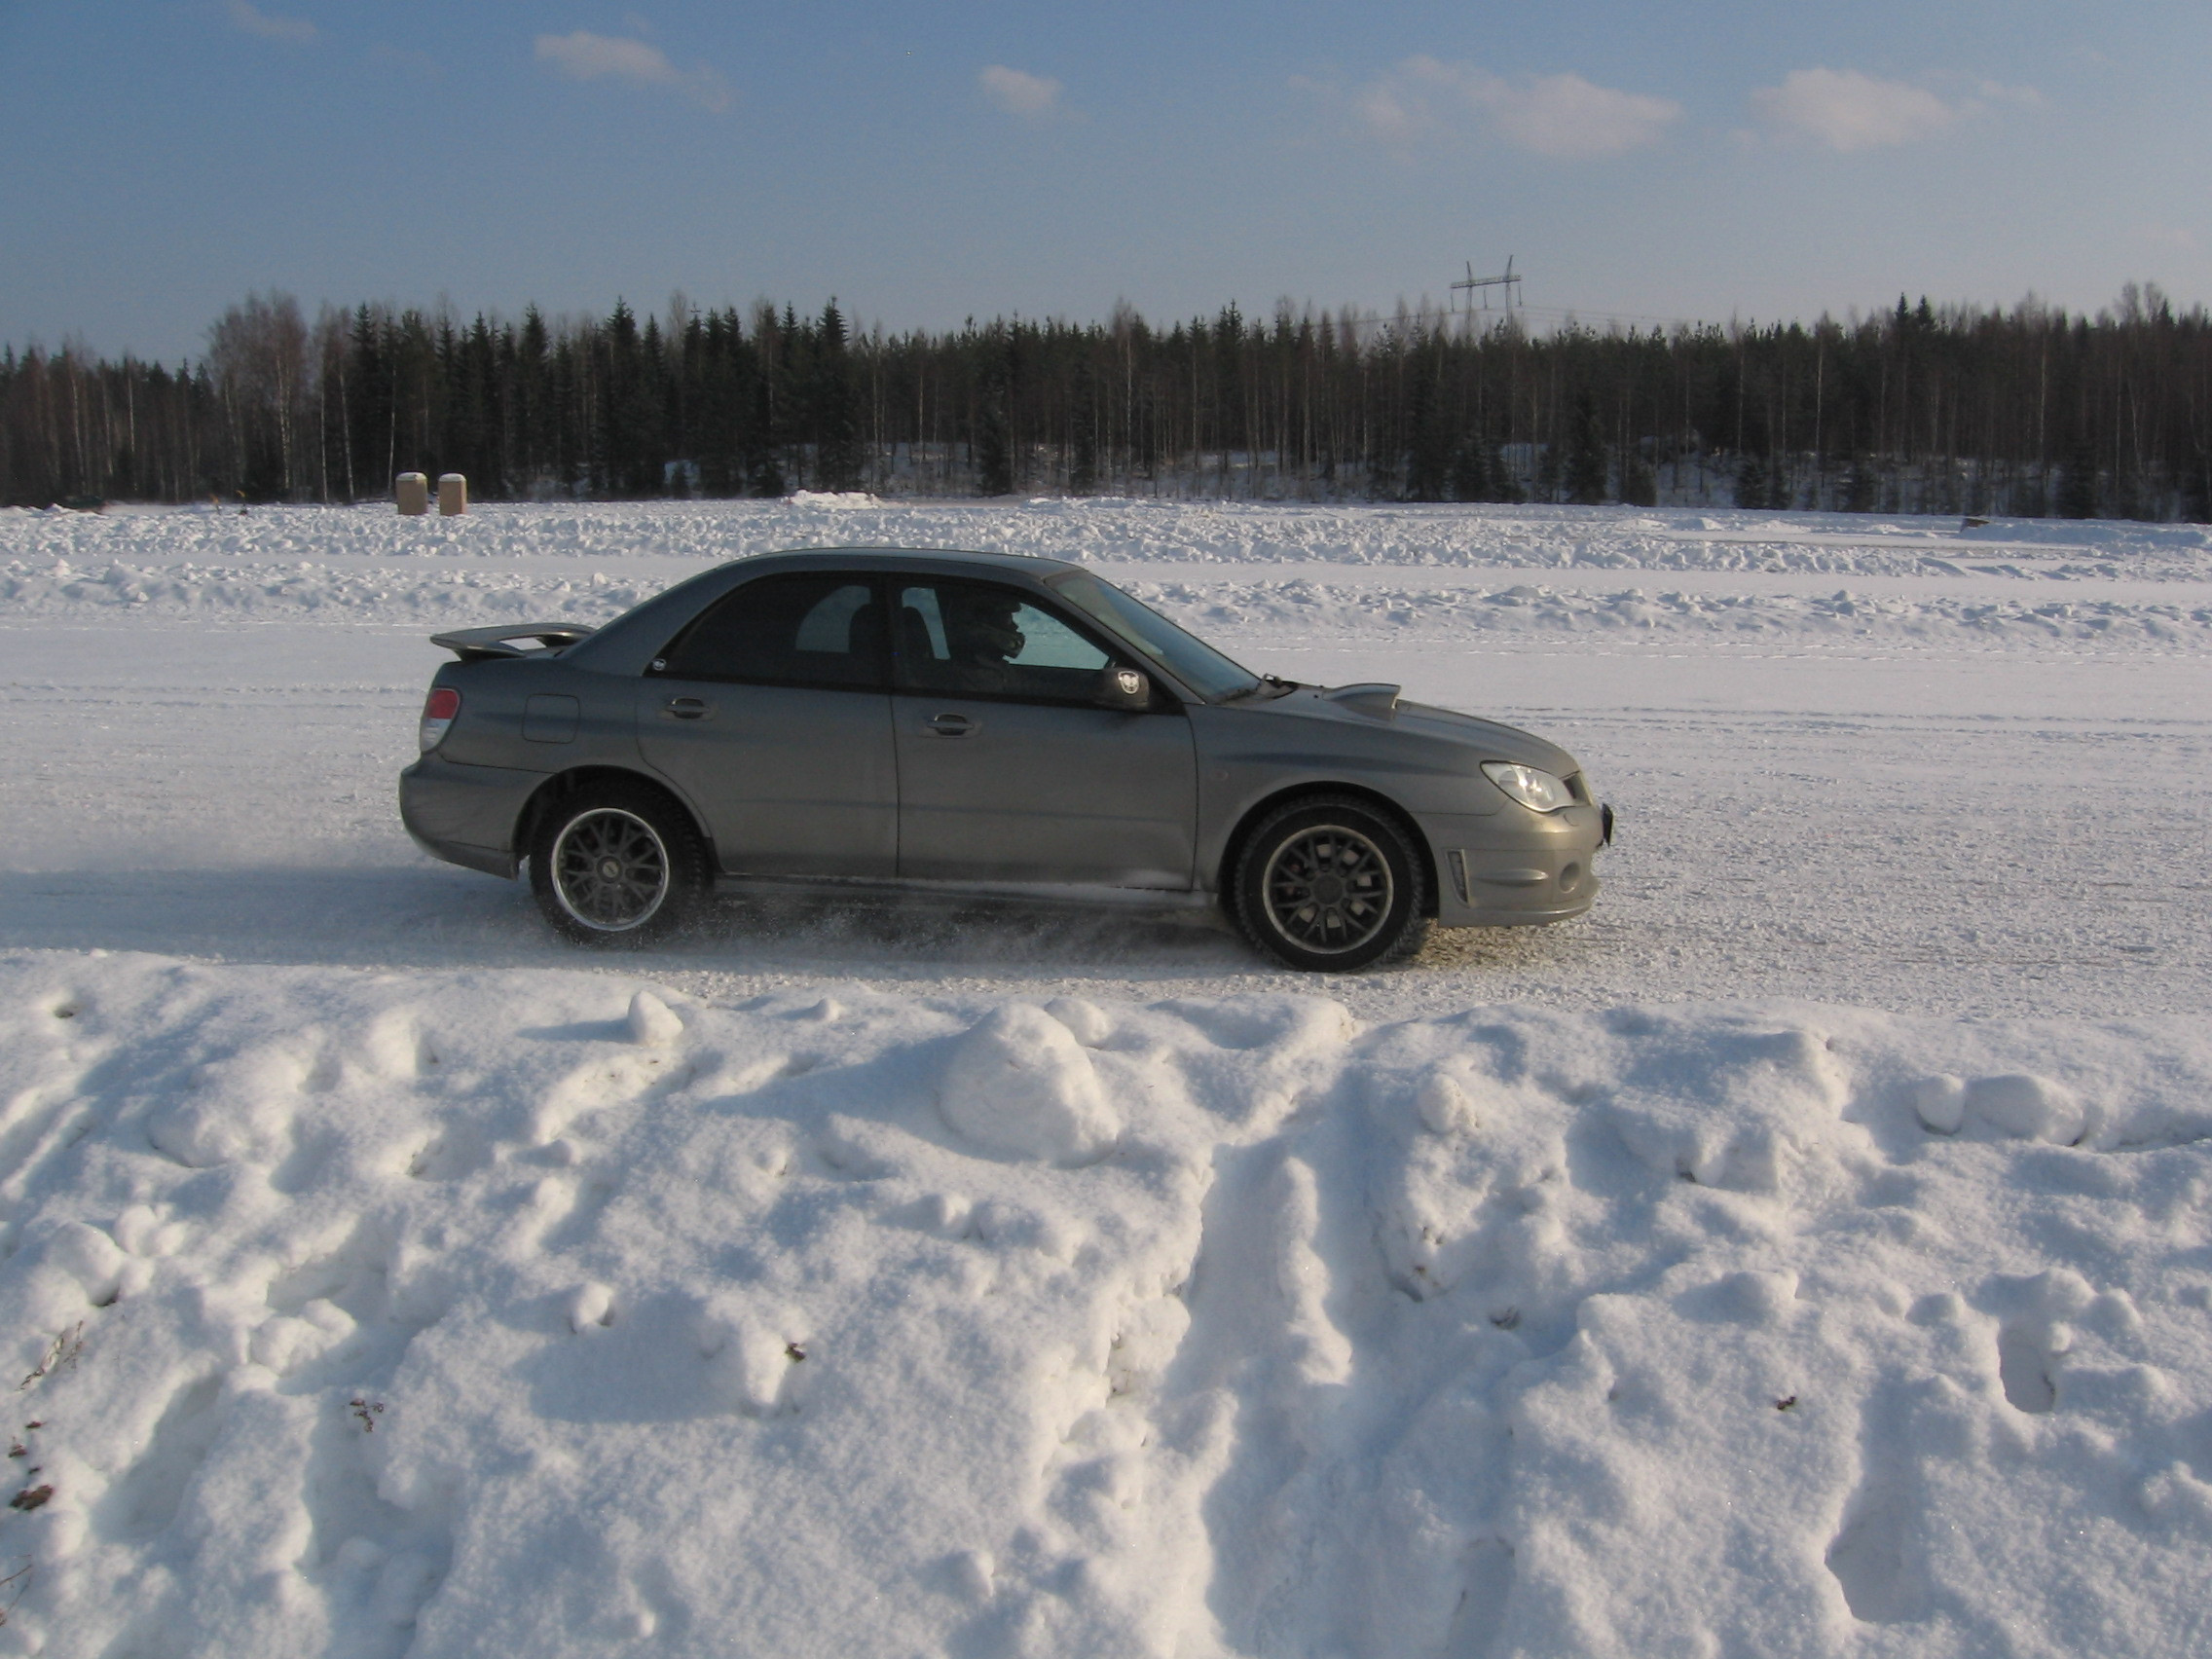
x=614 y=865
x=1329 y=884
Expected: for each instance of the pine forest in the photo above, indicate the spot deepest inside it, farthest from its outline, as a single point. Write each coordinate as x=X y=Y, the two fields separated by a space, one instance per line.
x=1953 y=408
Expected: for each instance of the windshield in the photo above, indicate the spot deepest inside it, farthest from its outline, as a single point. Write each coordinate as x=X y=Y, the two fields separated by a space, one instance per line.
x=1189 y=658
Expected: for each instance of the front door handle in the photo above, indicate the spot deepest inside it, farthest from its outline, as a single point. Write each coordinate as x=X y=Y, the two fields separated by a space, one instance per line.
x=952 y=726
x=686 y=709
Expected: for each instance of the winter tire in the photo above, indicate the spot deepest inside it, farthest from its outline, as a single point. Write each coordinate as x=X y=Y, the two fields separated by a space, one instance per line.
x=1329 y=884
x=617 y=867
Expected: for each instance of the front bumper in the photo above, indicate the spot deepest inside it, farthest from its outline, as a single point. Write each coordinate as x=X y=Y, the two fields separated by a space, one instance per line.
x=465 y=815
x=1515 y=868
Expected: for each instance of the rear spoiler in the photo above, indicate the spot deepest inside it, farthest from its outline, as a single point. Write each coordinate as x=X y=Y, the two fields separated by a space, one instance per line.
x=474 y=644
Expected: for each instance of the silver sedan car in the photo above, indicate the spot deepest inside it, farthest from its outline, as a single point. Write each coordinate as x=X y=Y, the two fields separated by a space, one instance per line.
x=847 y=719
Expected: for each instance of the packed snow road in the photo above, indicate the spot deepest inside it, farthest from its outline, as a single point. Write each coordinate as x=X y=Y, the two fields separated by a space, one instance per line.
x=1974 y=798
x=1809 y=1252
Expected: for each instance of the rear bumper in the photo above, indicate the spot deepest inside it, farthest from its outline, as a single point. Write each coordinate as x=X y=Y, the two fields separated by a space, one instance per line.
x=1515 y=868
x=465 y=815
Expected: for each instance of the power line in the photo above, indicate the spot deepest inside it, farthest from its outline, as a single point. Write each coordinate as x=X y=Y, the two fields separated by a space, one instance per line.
x=1475 y=286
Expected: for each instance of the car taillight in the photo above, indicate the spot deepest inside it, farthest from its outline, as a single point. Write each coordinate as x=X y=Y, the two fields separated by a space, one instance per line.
x=439 y=712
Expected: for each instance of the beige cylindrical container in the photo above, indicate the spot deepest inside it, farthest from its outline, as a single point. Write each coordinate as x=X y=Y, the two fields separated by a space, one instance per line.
x=413 y=490
x=452 y=494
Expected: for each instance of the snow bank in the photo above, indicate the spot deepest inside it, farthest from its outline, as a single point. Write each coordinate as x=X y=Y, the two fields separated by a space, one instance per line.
x=312 y=590
x=1296 y=610
x=552 y=1313
x=1380 y=537
x=1303 y=609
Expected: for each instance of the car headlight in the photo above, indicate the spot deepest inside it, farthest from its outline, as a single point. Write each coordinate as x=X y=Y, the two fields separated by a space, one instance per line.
x=1537 y=790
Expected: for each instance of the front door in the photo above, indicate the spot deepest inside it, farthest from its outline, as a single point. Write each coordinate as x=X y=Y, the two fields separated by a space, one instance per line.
x=1006 y=771
x=770 y=713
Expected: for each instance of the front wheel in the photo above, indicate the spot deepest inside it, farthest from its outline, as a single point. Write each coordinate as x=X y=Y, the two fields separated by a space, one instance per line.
x=617 y=867
x=1329 y=884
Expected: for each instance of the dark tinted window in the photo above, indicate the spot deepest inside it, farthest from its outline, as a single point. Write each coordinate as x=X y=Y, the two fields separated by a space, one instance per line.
x=808 y=629
x=977 y=639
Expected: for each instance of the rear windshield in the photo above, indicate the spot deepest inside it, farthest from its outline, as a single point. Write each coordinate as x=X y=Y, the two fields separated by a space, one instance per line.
x=1187 y=657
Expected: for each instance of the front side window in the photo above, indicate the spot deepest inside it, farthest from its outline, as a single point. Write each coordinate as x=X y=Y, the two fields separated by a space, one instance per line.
x=814 y=630
x=980 y=640
x=1190 y=658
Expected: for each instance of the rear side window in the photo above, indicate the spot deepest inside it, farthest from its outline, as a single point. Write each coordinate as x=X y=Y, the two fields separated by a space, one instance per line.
x=817 y=630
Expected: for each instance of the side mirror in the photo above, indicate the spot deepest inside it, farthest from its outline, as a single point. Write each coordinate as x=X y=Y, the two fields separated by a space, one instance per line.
x=1122 y=690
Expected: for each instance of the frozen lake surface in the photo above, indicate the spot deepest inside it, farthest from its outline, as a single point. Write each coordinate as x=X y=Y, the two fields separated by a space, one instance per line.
x=1806 y=1252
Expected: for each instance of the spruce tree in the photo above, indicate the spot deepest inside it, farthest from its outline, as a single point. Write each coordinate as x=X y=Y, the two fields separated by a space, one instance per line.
x=1083 y=440
x=2196 y=489
x=1428 y=457
x=1858 y=485
x=994 y=458
x=994 y=440
x=830 y=400
x=1585 y=455
x=2077 y=481
x=1751 y=480
x=788 y=399
x=1640 y=486
x=1504 y=483
x=764 y=474
x=1470 y=472
x=531 y=415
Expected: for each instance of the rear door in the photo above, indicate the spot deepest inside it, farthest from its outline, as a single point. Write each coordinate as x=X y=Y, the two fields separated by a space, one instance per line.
x=1007 y=772
x=771 y=713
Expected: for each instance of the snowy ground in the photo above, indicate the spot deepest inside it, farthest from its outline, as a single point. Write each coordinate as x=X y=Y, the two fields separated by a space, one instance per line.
x=1808 y=1252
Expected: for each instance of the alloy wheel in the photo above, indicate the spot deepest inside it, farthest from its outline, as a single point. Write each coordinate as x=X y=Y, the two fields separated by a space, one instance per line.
x=610 y=870
x=1328 y=889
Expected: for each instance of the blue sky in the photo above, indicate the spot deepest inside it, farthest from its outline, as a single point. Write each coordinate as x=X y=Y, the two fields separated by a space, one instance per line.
x=925 y=162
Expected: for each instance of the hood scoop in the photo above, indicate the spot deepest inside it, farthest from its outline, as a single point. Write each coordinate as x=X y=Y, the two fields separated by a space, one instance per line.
x=1376 y=700
x=474 y=644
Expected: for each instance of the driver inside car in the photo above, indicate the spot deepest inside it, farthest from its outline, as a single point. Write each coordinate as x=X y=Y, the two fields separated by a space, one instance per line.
x=982 y=638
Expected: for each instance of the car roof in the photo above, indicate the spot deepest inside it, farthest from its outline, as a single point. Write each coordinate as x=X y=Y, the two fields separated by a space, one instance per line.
x=967 y=558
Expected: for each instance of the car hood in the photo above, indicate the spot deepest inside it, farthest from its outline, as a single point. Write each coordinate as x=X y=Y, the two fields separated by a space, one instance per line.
x=1491 y=740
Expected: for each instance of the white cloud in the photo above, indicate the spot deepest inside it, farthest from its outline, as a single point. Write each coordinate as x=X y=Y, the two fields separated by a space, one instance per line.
x=1018 y=91
x=587 y=57
x=1843 y=110
x=2026 y=98
x=268 y=26
x=1552 y=115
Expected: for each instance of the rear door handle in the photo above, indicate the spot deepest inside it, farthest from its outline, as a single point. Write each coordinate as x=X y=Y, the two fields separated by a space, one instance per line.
x=952 y=726
x=686 y=709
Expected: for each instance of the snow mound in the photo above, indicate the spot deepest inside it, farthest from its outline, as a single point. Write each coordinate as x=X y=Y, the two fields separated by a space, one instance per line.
x=652 y=1024
x=1021 y=1083
x=845 y=499
x=364 y=1313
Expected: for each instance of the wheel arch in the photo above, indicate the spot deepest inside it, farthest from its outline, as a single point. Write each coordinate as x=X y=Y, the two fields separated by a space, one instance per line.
x=1234 y=848
x=549 y=797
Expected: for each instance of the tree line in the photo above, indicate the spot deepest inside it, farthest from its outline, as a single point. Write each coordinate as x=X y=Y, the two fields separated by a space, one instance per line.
x=1957 y=409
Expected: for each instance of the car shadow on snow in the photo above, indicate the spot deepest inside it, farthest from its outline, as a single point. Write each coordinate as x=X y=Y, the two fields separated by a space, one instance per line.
x=433 y=916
